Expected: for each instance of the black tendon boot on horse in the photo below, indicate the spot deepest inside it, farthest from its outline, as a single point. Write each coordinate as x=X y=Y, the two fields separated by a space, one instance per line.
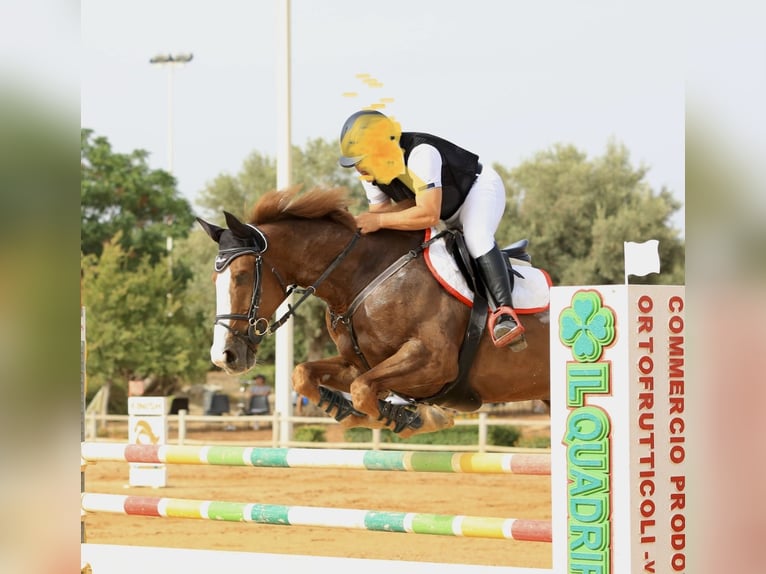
x=504 y=324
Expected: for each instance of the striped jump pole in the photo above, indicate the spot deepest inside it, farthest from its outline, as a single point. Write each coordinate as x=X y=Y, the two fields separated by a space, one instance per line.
x=405 y=522
x=456 y=462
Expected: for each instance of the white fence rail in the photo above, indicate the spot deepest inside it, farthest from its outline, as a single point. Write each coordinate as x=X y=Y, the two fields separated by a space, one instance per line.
x=97 y=427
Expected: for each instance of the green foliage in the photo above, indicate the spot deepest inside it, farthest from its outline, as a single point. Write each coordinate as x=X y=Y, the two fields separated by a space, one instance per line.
x=310 y=433
x=503 y=435
x=237 y=194
x=139 y=318
x=133 y=326
x=317 y=166
x=578 y=212
x=357 y=434
x=462 y=435
x=454 y=435
x=119 y=193
x=118 y=399
x=535 y=442
x=314 y=166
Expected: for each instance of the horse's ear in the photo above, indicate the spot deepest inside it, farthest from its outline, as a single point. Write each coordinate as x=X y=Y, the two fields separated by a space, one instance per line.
x=245 y=231
x=237 y=227
x=212 y=230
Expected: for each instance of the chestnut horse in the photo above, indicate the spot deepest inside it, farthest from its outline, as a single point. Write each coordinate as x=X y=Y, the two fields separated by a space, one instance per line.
x=397 y=330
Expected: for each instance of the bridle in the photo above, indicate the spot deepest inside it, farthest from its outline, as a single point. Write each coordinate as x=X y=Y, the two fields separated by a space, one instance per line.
x=258 y=327
x=254 y=334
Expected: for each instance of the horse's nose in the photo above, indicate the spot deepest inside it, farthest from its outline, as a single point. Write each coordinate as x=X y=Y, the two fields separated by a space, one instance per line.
x=230 y=357
x=223 y=358
x=233 y=356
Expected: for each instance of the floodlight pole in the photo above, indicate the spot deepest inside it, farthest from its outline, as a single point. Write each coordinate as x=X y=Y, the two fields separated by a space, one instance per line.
x=171 y=61
x=284 y=336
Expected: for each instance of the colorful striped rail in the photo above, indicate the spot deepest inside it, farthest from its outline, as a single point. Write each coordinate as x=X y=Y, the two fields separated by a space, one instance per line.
x=408 y=522
x=483 y=463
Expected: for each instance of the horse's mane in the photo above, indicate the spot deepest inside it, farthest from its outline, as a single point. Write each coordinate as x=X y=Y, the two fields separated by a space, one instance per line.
x=316 y=203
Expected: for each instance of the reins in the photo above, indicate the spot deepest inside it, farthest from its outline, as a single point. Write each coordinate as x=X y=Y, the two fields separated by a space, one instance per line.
x=311 y=290
x=254 y=335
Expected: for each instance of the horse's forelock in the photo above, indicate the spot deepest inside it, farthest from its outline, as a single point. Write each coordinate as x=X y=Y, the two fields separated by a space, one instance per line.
x=314 y=204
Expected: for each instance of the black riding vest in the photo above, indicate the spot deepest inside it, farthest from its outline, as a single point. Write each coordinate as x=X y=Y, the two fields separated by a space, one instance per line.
x=459 y=170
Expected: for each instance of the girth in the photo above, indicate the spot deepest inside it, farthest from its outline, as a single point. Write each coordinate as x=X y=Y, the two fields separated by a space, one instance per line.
x=458 y=394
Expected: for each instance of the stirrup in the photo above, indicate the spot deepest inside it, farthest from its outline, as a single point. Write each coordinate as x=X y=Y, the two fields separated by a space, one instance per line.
x=510 y=337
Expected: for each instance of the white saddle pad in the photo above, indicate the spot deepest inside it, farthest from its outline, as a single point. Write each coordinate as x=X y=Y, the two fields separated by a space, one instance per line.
x=531 y=292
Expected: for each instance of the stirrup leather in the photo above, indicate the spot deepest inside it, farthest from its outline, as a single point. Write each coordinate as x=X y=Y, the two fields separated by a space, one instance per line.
x=509 y=337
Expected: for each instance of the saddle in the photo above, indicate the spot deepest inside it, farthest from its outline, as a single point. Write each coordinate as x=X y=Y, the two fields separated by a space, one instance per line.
x=458 y=394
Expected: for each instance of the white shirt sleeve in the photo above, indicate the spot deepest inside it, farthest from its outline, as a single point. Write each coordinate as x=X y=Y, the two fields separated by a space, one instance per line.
x=374 y=194
x=425 y=167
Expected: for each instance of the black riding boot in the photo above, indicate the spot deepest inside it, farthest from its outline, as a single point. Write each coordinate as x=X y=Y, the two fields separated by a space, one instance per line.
x=504 y=324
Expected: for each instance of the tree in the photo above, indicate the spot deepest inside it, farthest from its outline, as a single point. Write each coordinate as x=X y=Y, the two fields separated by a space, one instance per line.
x=133 y=326
x=316 y=166
x=236 y=194
x=120 y=193
x=138 y=317
x=577 y=214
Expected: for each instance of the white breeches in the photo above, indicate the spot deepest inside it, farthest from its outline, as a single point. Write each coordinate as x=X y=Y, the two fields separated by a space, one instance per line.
x=480 y=213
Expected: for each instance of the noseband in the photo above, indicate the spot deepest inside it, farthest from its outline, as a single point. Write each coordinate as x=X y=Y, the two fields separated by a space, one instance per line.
x=254 y=334
x=257 y=327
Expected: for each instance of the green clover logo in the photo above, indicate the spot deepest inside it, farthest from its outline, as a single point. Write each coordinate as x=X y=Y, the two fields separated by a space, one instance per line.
x=586 y=326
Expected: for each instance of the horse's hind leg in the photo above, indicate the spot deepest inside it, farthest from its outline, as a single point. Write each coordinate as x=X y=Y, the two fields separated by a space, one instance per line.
x=412 y=372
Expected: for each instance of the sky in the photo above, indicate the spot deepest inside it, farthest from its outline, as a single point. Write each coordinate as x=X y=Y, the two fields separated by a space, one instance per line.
x=505 y=79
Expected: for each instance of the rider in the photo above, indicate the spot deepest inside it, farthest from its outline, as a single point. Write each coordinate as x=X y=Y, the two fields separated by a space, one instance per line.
x=414 y=180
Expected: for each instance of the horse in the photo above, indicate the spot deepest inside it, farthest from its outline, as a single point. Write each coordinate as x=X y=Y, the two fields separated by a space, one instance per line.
x=397 y=331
